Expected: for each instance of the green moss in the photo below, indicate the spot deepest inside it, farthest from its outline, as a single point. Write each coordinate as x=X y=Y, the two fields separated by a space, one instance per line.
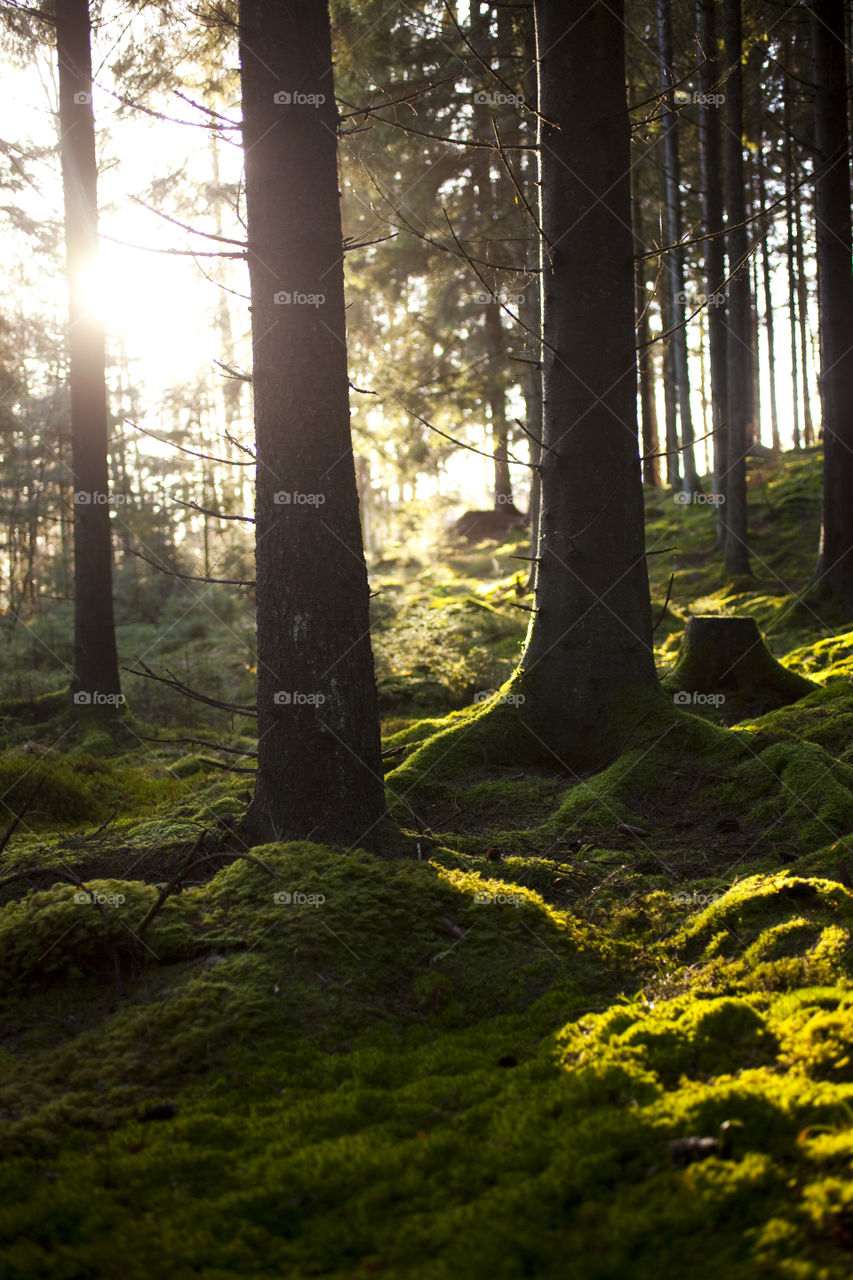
x=49 y=786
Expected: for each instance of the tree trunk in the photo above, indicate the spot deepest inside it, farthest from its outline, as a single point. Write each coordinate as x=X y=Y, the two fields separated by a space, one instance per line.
x=674 y=260
x=803 y=309
x=710 y=144
x=670 y=408
x=96 y=680
x=755 y=333
x=835 y=299
x=319 y=769
x=531 y=307
x=791 y=260
x=645 y=358
x=739 y=352
x=768 y=308
x=589 y=648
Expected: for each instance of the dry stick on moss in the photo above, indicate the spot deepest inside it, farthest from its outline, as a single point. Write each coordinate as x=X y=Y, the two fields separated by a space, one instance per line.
x=169 y=888
x=228 y=768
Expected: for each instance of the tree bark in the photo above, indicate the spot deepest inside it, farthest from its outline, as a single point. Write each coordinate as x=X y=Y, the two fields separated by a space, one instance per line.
x=96 y=679
x=791 y=259
x=645 y=358
x=589 y=648
x=674 y=260
x=768 y=308
x=739 y=348
x=319 y=770
x=835 y=298
x=711 y=170
x=803 y=310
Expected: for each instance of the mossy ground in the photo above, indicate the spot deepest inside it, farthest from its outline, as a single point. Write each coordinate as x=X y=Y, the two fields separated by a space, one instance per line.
x=590 y=1025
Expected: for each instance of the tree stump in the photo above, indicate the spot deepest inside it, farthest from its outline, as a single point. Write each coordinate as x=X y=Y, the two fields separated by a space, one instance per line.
x=724 y=665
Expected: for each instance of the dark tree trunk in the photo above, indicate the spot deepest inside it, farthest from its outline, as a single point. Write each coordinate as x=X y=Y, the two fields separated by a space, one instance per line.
x=710 y=144
x=589 y=649
x=96 y=675
x=672 y=455
x=755 y=333
x=531 y=307
x=645 y=358
x=803 y=310
x=768 y=309
x=791 y=258
x=497 y=406
x=835 y=299
x=673 y=262
x=739 y=348
x=319 y=770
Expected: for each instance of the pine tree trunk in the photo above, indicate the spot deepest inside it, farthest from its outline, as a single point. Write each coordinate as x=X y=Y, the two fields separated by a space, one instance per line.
x=739 y=356
x=589 y=649
x=790 y=264
x=319 y=769
x=803 y=310
x=96 y=676
x=710 y=142
x=835 y=299
x=768 y=309
x=645 y=357
x=674 y=260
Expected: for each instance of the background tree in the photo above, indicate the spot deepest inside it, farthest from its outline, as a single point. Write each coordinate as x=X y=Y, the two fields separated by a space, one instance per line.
x=835 y=296
x=739 y=350
x=590 y=639
x=319 y=768
x=95 y=654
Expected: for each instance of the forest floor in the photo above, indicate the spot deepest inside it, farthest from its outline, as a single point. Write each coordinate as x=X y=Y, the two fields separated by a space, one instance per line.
x=588 y=1027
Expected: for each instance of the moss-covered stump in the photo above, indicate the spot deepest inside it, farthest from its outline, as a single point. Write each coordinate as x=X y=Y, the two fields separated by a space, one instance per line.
x=724 y=667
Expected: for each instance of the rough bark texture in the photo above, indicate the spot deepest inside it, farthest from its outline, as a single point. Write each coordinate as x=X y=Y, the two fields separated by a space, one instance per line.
x=739 y=351
x=835 y=297
x=590 y=643
x=319 y=770
x=96 y=674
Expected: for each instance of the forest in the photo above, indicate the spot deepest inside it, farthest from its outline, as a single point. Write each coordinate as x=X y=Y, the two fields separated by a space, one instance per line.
x=426 y=619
